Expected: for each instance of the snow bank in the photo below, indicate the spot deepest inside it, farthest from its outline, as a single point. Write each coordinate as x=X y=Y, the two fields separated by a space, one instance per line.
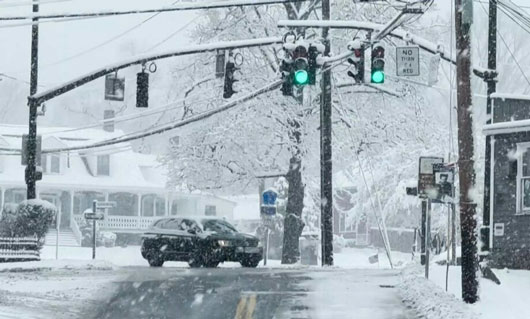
x=428 y=299
x=54 y=265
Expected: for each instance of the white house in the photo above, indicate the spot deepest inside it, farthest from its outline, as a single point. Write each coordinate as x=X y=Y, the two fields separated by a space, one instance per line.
x=72 y=180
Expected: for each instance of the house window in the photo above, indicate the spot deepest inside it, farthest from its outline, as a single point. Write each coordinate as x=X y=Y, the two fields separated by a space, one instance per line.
x=84 y=200
x=103 y=165
x=523 y=178
x=209 y=210
x=153 y=205
x=51 y=164
x=126 y=204
x=55 y=164
x=14 y=195
x=174 y=208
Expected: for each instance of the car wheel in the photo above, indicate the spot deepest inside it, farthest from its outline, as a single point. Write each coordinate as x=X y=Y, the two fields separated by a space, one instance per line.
x=250 y=263
x=195 y=262
x=155 y=260
x=211 y=263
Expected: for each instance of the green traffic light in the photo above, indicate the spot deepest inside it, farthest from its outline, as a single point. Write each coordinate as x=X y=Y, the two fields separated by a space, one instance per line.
x=301 y=77
x=378 y=77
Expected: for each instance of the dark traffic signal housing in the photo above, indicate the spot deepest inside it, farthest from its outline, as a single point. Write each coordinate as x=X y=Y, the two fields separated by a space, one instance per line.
x=378 y=64
x=142 y=89
x=230 y=69
x=300 y=66
x=357 y=62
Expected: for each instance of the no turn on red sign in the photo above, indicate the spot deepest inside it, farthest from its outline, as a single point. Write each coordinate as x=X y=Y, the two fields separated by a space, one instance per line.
x=408 y=61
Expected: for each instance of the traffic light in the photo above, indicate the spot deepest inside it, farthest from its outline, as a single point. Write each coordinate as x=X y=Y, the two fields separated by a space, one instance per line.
x=142 y=89
x=287 y=84
x=312 y=64
x=357 y=62
x=230 y=68
x=378 y=64
x=300 y=66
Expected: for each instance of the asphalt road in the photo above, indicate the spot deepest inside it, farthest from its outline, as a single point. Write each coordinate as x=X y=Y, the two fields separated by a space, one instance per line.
x=254 y=293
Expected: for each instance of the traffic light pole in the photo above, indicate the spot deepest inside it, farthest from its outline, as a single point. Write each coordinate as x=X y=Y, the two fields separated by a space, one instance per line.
x=492 y=87
x=463 y=19
x=326 y=190
x=31 y=168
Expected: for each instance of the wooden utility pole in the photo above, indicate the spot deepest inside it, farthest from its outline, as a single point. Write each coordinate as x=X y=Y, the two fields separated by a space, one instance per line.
x=326 y=190
x=463 y=19
x=31 y=168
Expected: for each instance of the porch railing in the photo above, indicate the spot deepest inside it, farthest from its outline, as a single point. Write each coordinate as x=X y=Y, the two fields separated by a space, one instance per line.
x=19 y=248
x=126 y=223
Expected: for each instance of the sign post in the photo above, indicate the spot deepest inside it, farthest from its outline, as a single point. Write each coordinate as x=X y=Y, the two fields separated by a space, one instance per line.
x=94 y=216
x=94 y=208
x=408 y=61
x=268 y=210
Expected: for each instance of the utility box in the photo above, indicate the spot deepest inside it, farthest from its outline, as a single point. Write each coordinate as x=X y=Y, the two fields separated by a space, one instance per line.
x=309 y=248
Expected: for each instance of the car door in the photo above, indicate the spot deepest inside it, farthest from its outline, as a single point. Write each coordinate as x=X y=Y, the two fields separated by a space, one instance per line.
x=171 y=238
x=191 y=231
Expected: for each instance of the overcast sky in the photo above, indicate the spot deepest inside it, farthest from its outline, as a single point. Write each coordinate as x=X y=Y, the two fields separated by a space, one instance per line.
x=58 y=41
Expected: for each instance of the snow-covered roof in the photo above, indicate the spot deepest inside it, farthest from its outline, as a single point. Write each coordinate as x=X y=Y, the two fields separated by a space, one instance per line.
x=507 y=127
x=128 y=170
x=510 y=96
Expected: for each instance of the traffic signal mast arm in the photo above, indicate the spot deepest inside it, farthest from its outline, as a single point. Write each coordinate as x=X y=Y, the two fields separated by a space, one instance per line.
x=397 y=33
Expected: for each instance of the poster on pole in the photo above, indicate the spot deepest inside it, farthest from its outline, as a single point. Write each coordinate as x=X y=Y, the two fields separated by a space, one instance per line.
x=444 y=178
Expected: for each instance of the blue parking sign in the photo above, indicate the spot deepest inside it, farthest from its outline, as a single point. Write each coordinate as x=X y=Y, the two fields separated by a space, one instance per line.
x=269 y=198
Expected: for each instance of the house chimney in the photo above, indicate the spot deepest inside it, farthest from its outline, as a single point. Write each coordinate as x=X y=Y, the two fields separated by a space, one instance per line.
x=108 y=126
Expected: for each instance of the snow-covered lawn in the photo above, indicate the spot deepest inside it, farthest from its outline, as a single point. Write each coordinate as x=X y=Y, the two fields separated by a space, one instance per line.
x=509 y=300
x=130 y=256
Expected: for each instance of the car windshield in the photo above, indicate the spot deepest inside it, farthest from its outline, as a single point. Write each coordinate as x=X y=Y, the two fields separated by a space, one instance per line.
x=220 y=226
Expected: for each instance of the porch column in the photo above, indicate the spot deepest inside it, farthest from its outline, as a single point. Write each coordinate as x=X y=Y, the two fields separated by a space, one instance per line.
x=3 y=191
x=166 y=210
x=138 y=223
x=72 y=193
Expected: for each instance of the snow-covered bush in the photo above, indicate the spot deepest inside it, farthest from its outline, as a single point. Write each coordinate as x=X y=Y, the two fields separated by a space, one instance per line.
x=33 y=218
x=7 y=220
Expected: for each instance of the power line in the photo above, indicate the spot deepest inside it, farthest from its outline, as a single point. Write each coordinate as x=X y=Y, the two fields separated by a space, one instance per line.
x=179 y=7
x=112 y=39
x=510 y=51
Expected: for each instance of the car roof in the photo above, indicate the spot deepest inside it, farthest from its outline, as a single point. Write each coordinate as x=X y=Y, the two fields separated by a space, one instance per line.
x=197 y=219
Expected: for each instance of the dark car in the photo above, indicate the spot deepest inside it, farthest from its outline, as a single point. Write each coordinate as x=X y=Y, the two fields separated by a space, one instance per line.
x=200 y=241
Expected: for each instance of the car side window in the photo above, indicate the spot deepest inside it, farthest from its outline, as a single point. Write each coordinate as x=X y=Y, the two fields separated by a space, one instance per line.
x=188 y=224
x=173 y=224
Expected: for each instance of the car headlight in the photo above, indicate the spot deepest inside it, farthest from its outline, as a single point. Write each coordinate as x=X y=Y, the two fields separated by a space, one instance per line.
x=260 y=243
x=224 y=243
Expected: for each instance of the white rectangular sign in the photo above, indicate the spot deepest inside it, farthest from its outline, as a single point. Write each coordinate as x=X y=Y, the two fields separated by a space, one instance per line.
x=408 y=61
x=105 y=204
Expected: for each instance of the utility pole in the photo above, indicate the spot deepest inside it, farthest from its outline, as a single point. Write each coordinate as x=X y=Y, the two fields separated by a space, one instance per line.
x=463 y=19
x=31 y=168
x=326 y=189
x=492 y=87
x=423 y=241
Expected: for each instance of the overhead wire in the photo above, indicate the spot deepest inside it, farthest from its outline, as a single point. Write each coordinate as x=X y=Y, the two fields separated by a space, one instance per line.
x=510 y=51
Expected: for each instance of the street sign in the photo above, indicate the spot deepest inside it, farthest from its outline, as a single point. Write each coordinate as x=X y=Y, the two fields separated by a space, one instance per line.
x=269 y=197
x=408 y=61
x=268 y=210
x=24 y=157
x=105 y=205
x=268 y=206
x=114 y=87
x=94 y=216
x=426 y=182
